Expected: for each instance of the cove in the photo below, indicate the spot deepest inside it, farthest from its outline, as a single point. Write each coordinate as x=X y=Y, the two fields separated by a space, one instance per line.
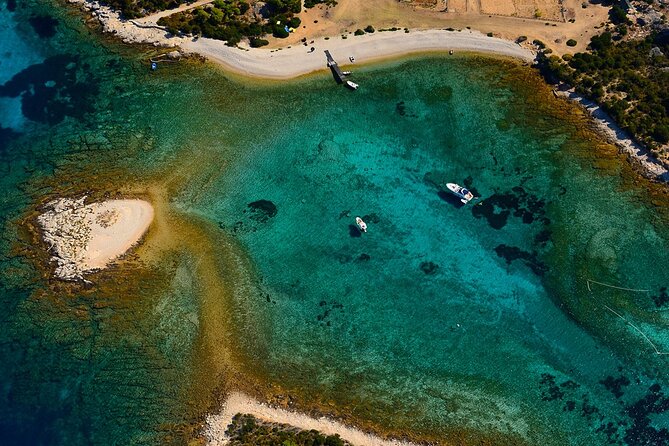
x=443 y=321
x=445 y=318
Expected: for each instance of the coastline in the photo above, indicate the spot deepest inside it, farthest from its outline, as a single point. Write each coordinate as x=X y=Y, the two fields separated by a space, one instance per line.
x=649 y=166
x=294 y=61
x=339 y=47
x=237 y=402
x=298 y=60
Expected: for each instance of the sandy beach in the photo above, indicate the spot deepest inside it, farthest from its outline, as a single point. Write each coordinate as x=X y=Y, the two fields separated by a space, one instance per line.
x=240 y=403
x=86 y=237
x=298 y=60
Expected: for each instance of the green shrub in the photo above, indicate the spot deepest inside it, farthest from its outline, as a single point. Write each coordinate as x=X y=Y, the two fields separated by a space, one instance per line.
x=571 y=42
x=369 y=29
x=618 y=15
x=624 y=80
x=359 y=32
x=661 y=133
x=280 y=32
x=312 y=3
x=257 y=43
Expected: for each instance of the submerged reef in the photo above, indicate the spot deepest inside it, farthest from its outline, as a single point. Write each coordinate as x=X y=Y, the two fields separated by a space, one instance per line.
x=60 y=86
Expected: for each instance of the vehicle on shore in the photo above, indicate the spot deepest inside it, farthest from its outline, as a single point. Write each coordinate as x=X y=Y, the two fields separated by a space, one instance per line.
x=463 y=194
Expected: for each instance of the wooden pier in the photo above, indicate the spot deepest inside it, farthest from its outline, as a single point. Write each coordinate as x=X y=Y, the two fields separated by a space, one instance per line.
x=336 y=71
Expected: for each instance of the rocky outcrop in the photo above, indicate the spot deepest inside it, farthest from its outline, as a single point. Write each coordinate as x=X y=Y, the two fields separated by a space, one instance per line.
x=67 y=232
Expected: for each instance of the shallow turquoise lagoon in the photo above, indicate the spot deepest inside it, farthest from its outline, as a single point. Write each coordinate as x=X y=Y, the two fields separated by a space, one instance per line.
x=446 y=315
x=441 y=318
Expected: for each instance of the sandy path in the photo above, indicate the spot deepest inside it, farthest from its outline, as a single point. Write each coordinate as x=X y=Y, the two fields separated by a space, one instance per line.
x=240 y=403
x=153 y=18
x=349 y=15
x=298 y=60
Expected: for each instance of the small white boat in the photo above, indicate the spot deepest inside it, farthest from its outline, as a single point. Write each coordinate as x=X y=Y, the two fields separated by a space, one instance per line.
x=361 y=224
x=352 y=85
x=346 y=73
x=465 y=195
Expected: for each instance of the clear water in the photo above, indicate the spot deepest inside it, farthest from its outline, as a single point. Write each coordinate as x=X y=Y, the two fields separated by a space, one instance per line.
x=428 y=316
x=442 y=321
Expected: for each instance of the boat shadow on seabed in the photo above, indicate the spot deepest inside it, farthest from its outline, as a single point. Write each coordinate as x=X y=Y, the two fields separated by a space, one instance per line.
x=450 y=198
x=354 y=231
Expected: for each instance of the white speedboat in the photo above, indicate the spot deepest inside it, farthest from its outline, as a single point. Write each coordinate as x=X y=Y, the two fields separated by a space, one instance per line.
x=361 y=224
x=465 y=195
x=352 y=85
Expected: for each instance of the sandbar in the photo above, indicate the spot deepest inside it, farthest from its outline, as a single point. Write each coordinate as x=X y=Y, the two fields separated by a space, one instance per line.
x=87 y=237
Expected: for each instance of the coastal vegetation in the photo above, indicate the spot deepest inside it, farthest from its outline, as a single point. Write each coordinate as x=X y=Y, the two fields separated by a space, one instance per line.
x=131 y=9
x=246 y=430
x=232 y=20
x=628 y=78
x=311 y=3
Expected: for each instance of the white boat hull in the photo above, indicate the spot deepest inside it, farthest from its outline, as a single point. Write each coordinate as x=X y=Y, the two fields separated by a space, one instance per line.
x=361 y=224
x=460 y=192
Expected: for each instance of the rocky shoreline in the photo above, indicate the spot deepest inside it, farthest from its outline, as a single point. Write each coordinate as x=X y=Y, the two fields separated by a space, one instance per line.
x=648 y=165
x=129 y=31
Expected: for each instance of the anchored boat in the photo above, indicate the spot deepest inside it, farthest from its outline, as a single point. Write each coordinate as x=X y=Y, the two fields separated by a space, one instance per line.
x=361 y=224
x=464 y=194
x=352 y=85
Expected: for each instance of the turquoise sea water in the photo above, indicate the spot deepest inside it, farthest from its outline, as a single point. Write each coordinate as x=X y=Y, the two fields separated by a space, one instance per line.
x=446 y=315
x=442 y=319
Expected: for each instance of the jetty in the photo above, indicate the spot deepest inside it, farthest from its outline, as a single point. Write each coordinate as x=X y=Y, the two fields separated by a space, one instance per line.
x=336 y=71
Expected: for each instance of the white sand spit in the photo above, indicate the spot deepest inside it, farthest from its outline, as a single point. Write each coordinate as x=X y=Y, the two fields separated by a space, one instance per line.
x=297 y=60
x=86 y=237
x=240 y=403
